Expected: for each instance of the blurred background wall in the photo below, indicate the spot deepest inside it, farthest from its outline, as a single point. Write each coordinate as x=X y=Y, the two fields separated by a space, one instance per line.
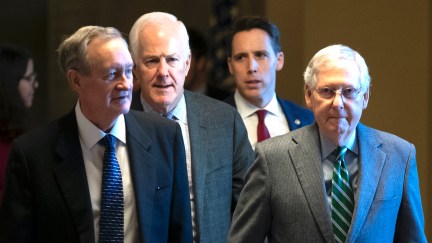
x=393 y=36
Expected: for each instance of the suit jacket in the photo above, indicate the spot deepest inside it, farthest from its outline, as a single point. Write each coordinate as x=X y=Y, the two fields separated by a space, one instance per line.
x=295 y=115
x=284 y=195
x=220 y=154
x=47 y=198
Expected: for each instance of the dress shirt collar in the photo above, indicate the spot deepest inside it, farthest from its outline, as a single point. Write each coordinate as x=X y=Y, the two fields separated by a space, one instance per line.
x=327 y=147
x=91 y=135
x=179 y=112
x=246 y=109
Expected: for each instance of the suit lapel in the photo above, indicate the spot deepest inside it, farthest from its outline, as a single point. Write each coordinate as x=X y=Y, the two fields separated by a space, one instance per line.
x=371 y=163
x=72 y=180
x=199 y=149
x=290 y=115
x=306 y=158
x=143 y=172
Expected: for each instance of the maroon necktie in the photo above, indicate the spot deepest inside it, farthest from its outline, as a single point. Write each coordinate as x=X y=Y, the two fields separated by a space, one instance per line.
x=262 y=130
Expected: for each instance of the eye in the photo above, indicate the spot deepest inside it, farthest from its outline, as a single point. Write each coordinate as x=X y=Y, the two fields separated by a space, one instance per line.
x=349 y=92
x=128 y=72
x=172 y=61
x=239 y=58
x=326 y=91
x=151 y=62
x=261 y=55
x=111 y=75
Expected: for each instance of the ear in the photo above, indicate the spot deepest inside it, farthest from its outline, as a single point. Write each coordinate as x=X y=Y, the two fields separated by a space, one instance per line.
x=74 y=79
x=136 y=83
x=230 y=65
x=308 y=94
x=366 y=96
x=280 y=61
x=187 y=63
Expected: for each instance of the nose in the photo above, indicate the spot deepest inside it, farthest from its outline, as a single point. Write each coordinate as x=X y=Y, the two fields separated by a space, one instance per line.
x=338 y=102
x=252 y=66
x=163 y=68
x=125 y=82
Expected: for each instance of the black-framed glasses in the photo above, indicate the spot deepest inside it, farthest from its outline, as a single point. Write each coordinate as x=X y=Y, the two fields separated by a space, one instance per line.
x=329 y=93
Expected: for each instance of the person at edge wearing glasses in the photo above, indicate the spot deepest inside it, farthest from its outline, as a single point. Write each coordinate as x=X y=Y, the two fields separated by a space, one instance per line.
x=18 y=84
x=336 y=180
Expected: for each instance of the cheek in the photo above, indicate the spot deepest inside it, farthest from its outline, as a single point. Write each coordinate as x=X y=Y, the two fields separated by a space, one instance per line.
x=320 y=110
x=24 y=89
x=143 y=73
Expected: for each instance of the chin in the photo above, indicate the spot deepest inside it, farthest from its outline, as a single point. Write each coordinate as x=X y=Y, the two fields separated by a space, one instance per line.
x=123 y=109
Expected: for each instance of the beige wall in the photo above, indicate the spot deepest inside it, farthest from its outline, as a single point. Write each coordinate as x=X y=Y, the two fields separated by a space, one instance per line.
x=395 y=39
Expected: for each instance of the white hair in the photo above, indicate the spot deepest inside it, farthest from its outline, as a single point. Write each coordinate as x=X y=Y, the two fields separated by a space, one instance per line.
x=336 y=57
x=163 y=20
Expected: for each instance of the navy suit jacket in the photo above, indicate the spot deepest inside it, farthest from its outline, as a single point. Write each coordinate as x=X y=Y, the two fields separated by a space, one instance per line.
x=47 y=198
x=296 y=115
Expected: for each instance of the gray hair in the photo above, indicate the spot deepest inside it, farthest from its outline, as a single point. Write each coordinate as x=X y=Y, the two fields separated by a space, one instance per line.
x=336 y=57
x=72 y=52
x=163 y=20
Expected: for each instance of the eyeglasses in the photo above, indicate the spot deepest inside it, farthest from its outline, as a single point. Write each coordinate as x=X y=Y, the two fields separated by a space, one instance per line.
x=329 y=93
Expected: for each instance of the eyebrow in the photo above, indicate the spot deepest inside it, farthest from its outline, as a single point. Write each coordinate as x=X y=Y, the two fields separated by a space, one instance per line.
x=161 y=56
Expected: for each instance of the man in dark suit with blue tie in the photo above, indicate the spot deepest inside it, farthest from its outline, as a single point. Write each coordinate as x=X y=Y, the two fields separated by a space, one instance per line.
x=99 y=173
x=254 y=56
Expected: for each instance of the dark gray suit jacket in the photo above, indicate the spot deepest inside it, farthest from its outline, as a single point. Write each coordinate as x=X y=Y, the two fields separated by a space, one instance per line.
x=220 y=154
x=47 y=198
x=284 y=195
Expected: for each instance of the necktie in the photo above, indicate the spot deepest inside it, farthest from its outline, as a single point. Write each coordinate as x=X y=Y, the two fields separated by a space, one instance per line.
x=170 y=116
x=112 y=204
x=342 y=198
x=262 y=130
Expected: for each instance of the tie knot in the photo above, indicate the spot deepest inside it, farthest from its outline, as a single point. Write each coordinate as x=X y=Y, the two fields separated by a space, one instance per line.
x=341 y=151
x=109 y=141
x=169 y=116
x=261 y=114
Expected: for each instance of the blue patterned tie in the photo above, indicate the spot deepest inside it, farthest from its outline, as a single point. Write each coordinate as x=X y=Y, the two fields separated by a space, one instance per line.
x=111 y=212
x=342 y=198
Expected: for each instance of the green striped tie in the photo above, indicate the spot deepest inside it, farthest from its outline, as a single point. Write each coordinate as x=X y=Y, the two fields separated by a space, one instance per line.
x=342 y=198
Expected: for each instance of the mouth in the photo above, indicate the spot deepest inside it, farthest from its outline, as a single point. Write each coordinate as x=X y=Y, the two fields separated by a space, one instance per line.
x=162 y=86
x=254 y=81
x=122 y=96
x=253 y=84
x=337 y=119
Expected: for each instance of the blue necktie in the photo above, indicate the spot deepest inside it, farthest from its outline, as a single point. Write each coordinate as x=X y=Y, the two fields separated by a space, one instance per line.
x=112 y=205
x=342 y=198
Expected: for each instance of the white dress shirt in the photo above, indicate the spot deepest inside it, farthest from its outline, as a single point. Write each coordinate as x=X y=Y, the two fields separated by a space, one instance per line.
x=93 y=154
x=275 y=119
